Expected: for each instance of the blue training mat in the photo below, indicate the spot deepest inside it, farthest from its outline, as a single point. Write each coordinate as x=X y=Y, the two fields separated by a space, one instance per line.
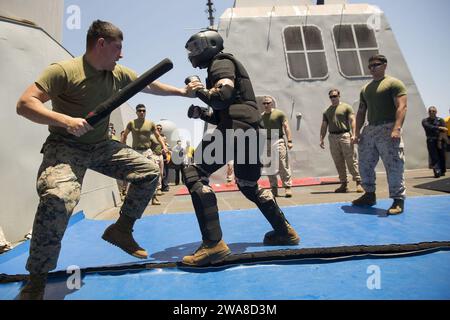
x=169 y=237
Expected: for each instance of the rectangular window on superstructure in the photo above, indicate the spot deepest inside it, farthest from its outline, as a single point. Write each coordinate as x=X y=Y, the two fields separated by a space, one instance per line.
x=354 y=44
x=305 y=53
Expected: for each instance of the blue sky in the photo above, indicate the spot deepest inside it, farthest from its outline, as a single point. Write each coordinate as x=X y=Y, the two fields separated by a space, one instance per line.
x=155 y=30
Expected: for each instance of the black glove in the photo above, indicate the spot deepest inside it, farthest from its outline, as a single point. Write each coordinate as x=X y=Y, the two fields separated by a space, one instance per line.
x=190 y=79
x=201 y=92
x=195 y=112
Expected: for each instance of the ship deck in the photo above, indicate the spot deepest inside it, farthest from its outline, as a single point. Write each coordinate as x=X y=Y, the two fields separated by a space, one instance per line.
x=325 y=221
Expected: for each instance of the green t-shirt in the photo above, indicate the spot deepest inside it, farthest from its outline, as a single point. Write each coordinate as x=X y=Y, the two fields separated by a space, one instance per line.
x=274 y=120
x=338 y=118
x=76 y=88
x=379 y=97
x=156 y=146
x=141 y=130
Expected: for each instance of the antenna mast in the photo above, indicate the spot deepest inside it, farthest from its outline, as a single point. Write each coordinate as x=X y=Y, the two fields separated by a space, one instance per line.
x=210 y=12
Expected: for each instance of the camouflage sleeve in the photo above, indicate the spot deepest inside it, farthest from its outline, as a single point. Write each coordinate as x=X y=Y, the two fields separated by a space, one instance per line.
x=53 y=80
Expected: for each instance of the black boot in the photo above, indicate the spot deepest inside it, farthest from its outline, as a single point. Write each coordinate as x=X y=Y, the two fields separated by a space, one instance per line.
x=437 y=173
x=342 y=189
x=367 y=199
x=397 y=207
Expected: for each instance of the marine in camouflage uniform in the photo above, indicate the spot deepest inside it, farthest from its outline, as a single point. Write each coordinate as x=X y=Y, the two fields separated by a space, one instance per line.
x=384 y=100
x=59 y=184
x=376 y=143
x=75 y=87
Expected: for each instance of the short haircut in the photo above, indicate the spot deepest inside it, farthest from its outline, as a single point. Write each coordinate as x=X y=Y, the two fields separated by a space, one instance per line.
x=274 y=102
x=334 y=90
x=140 y=106
x=102 y=29
x=432 y=107
x=378 y=57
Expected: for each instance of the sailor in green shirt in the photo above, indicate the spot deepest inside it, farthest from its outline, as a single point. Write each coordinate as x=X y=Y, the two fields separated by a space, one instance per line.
x=384 y=102
x=75 y=87
x=339 y=118
x=143 y=131
x=275 y=120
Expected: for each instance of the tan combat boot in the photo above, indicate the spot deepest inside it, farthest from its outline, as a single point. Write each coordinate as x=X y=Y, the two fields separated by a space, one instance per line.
x=359 y=188
x=289 y=238
x=208 y=254
x=288 y=192
x=120 y=234
x=155 y=201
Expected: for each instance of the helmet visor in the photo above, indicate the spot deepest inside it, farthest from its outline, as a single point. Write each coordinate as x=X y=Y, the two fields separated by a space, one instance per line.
x=196 y=47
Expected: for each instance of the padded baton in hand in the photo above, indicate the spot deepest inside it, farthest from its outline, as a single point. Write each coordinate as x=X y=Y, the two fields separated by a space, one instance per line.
x=116 y=100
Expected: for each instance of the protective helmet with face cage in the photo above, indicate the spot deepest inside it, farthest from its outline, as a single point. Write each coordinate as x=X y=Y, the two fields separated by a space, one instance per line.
x=203 y=46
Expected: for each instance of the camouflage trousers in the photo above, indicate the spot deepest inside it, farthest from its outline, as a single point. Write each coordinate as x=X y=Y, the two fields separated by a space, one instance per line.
x=157 y=159
x=343 y=152
x=376 y=143
x=59 y=184
x=283 y=165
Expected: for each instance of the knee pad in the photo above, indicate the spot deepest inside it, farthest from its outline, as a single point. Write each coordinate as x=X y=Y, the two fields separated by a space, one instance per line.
x=191 y=175
x=194 y=178
x=256 y=194
x=204 y=201
x=202 y=194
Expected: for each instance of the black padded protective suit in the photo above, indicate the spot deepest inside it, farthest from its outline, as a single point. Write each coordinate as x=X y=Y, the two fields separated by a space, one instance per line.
x=241 y=116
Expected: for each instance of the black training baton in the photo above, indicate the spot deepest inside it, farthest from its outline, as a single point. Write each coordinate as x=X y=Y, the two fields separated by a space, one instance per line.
x=105 y=108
